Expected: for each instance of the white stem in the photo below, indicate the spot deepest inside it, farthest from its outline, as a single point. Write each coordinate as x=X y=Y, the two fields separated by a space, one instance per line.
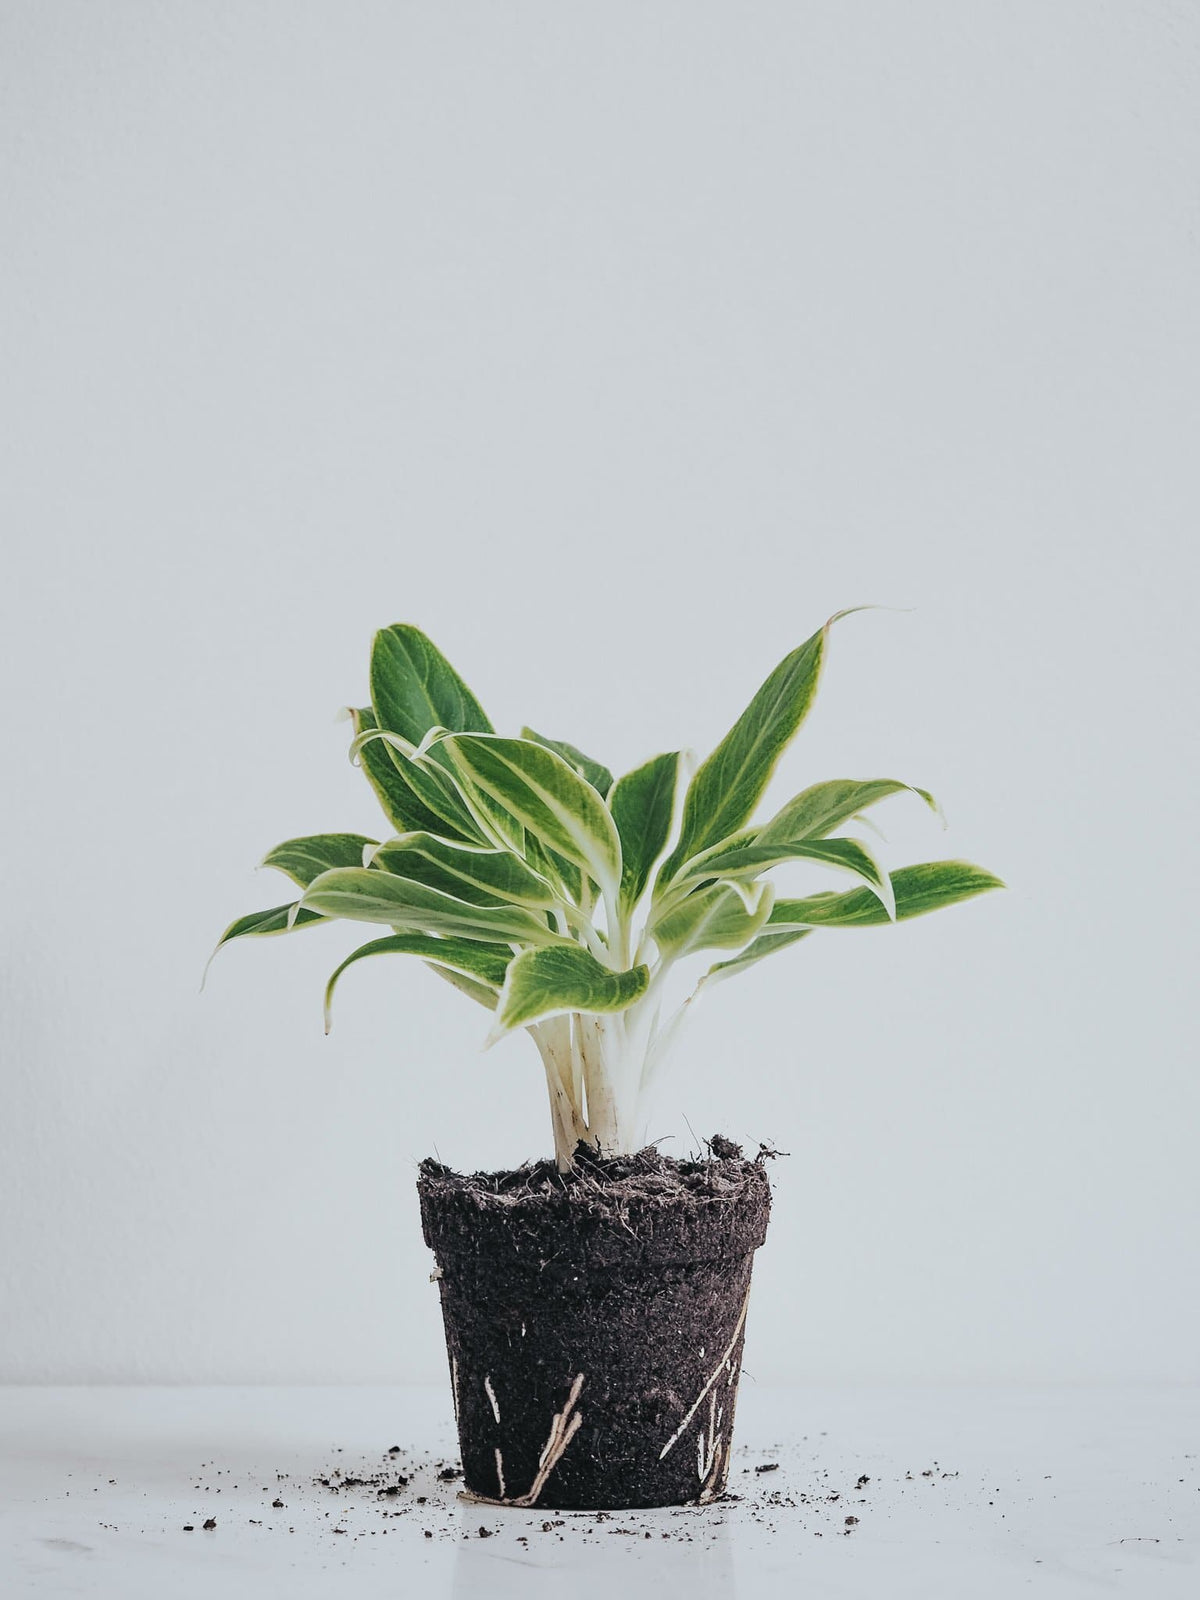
x=593 y=1035
x=553 y=1039
x=618 y=933
x=599 y=1068
x=583 y=923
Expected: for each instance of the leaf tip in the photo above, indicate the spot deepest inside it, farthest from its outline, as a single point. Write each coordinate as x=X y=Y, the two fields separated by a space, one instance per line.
x=208 y=964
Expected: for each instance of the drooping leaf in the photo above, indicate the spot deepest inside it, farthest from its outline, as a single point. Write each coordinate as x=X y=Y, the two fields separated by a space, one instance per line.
x=728 y=786
x=593 y=772
x=414 y=688
x=545 y=983
x=484 y=964
x=765 y=945
x=642 y=805
x=279 y=919
x=918 y=889
x=522 y=788
x=366 y=894
x=715 y=917
x=484 y=877
x=821 y=808
x=748 y=860
x=305 y=859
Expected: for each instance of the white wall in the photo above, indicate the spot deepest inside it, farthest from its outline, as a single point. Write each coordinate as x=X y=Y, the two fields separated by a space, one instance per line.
x=616 y=345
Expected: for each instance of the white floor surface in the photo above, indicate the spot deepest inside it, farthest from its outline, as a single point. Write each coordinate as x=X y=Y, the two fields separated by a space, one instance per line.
x=971 y=1493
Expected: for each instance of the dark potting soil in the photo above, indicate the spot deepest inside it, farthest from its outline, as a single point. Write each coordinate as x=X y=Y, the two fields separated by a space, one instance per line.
x=594 y=1322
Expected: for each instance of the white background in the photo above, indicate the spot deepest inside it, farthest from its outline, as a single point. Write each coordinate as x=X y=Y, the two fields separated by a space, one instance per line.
x=615 y=345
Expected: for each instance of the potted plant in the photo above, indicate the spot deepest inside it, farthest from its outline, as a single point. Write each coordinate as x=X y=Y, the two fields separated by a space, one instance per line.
x=595 y=1304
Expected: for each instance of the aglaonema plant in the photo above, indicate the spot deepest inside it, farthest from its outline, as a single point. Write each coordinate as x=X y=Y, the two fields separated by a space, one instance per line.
x=561 y=900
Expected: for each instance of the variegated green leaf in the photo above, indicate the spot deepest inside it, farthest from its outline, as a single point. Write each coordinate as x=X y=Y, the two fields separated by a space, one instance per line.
x=593 y=772
x=642 y=806
x=365 y=894
x=427 y=773
x=824 y=806
x=557 y=869
x=715 y=917
x=395 y=781
x=728 y=786
x=414 y=688
x=518 y=788
x=305 y=859
x=765 y=945
x=546 y=983
x=484 y=877
x=748 y=860
x=918 y=889
x=279 y=919
x=484 y=964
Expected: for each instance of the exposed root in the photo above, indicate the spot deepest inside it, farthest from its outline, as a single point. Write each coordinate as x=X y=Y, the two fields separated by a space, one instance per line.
x=716 y=1373
x=500 y=1473
x=710 y=1451
x=491 y=1394
x=563 y=1428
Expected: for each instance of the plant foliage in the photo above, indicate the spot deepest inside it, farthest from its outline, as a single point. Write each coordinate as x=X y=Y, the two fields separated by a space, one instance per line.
x=522 y=873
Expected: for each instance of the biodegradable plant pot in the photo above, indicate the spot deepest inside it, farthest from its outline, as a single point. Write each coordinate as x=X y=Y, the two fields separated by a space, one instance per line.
x=594 y=1323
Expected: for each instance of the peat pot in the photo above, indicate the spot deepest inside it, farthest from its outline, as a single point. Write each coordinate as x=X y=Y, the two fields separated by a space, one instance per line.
x=594 y=1324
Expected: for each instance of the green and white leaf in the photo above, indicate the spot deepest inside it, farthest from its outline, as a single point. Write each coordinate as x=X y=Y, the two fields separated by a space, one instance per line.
x=642 y=806
x=414 y=688
x=546 y=983
x=367 y=894
x=484 y=877
x=728 y=786
x=516 y=788
x=427 y=775
x=823 y=807
x=305 y=859
x=918 y=890
x=279 y=919
x=593 y=772
x=765 y=945
x=748 y=860
x=714 y=917
x=259 y=924
x=401 y=803
x=484 y=964
x=556 y=869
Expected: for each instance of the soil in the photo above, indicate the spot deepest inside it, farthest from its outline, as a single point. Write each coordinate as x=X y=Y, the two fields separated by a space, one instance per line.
x=594 y=1323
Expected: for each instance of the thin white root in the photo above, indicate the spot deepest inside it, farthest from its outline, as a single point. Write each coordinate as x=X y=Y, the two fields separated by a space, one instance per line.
x=491 y=1394
x=710 y=1449
x=716 y=1373
x=562 y=1431
x=500 y=1473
